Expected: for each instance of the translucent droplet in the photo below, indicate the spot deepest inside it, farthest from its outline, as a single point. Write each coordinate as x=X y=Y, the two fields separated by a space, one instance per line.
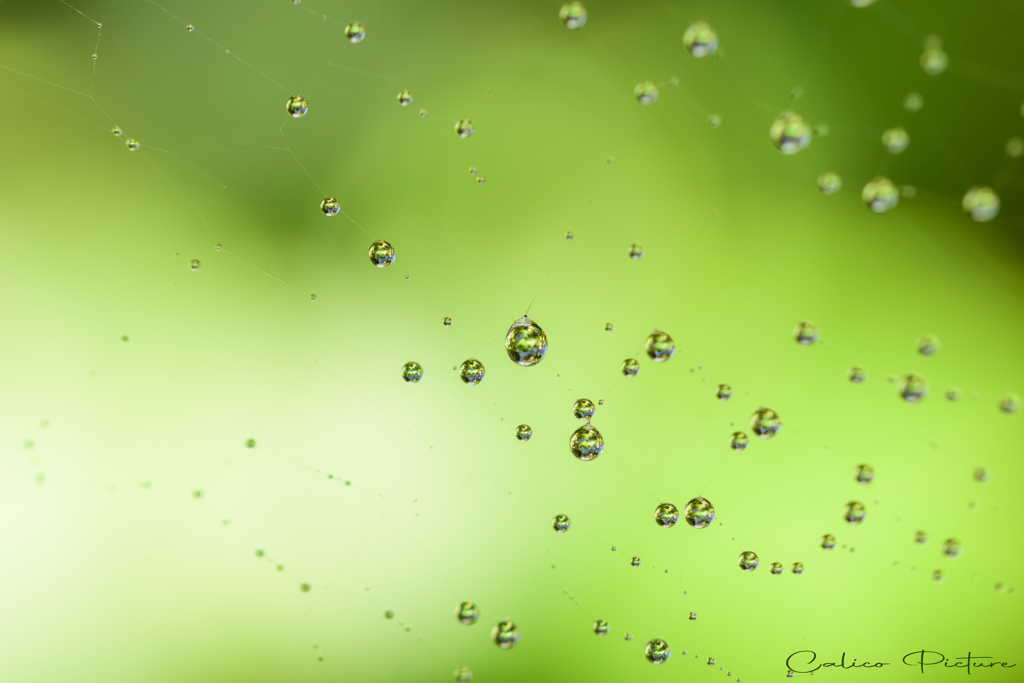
x=723 y=392
x=464 y=128
x=381 y=254
x=797 y=568
x=463 y=674
x=748 y=561
x=355 y=32
x=630 y=367
x=857 y=374
x=132 y=144
x=934 y=61
x=561 y=523
x=659 y=347
x=700 y=39
x=424 y=113
x=190 y=28
x=895 y=140
x=951 y=547
x=583 y=409
x=789 y=674
x=699 y=512
x=666 y=515
x=981 y=474
x=296 y=106
x=116 y=130
x=472 y=371
x=854 y=512
x=863 y=474
x=505 y=634
x=738 y=441
x=829 y=182
x=693 y=616
x=608 y=327
x=573 y=15
x=938 y=575
x=714 y=120
x=330 y=206
x=646 y=92
x=447 y=321
x=405 y=98
x=259 y=552
x=913 y=102
x=569 y=235
x=1014 y=148
x=586 y=443
x=627 y=636
x=195 y=264
x=250 y=443
x=467 y=613
x=912 y=388
x=95 y=56
x=304 y=587
x=1009 y=404
x=776 y=568
x=711 y=661
x=981 y=203
x=805 y=333
x=859 y=3
x=920 y=537
x=765 y=423
x=952 y=394
x=789 y=133
x=657 y=651
x=525 y=342
x=523 y=432
x=412 y=372
x=880 y=195
x=635 y=251
x=828 y=541
x=388 y=614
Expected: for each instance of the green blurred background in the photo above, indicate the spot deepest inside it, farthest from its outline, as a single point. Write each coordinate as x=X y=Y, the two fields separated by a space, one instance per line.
x=132 y=513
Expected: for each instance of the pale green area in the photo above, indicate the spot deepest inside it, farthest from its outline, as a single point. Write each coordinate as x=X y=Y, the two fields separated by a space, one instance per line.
x=141 y=540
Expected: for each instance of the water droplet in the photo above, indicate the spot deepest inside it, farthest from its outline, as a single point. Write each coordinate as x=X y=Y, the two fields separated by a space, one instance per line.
x=635 y=251
x=505 y=634
x=797 y=568
x=693 y=616
x=472 y=371
x=913 y=102
x=447 y=321
x=1014 y=148
x=711 y=661
x=659 y=347
x=523 y=432
x=829 y=182
x=296 y=106
x=666 y=515
x=723 y=392
x=601 y=627
x=938 y=575
x=467 y=613
x=714 y=120
x=981 y=203
x=132 y=144
x=388 y=614
x=412 y=372
x=789 y=133
x=381 y=254
x=790 y=674
x=627 y=636
x=920 y=537
x=259 y=552
x=934 y=61
x=304 y=587
x=355 y=32
x=857 y=374
x=952 y=394
x=95 y=56
x=218 y=248
x=464 y=128
x=765 y=423
x=700 y=40
x=116 y=130
x=951 y=547
x=699 y=512
x=586 y=443
x=569 y=234
x=573 y=15
x=880 y=195
x=561 y=523
x=630 y=367
x=805 y=333
x=330 y=206
x=828 y=541
x=657 y=651
x=1009 y=404
x=981 y=474
x=463 y=674
x=895 y=140
x=250 y=443
x=854 y=512
x=864 y=474
x=646 y=92
x=405 y=98
x=748 y=561
x=608 y=327
x=738 y=441
x=583 y=409
x=526 y=342
x=424 y=113
x=776 y=568
x=912 y=388
x=195 y=264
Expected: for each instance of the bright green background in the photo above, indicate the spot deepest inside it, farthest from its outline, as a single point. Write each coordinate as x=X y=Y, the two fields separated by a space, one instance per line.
x=110 y=569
